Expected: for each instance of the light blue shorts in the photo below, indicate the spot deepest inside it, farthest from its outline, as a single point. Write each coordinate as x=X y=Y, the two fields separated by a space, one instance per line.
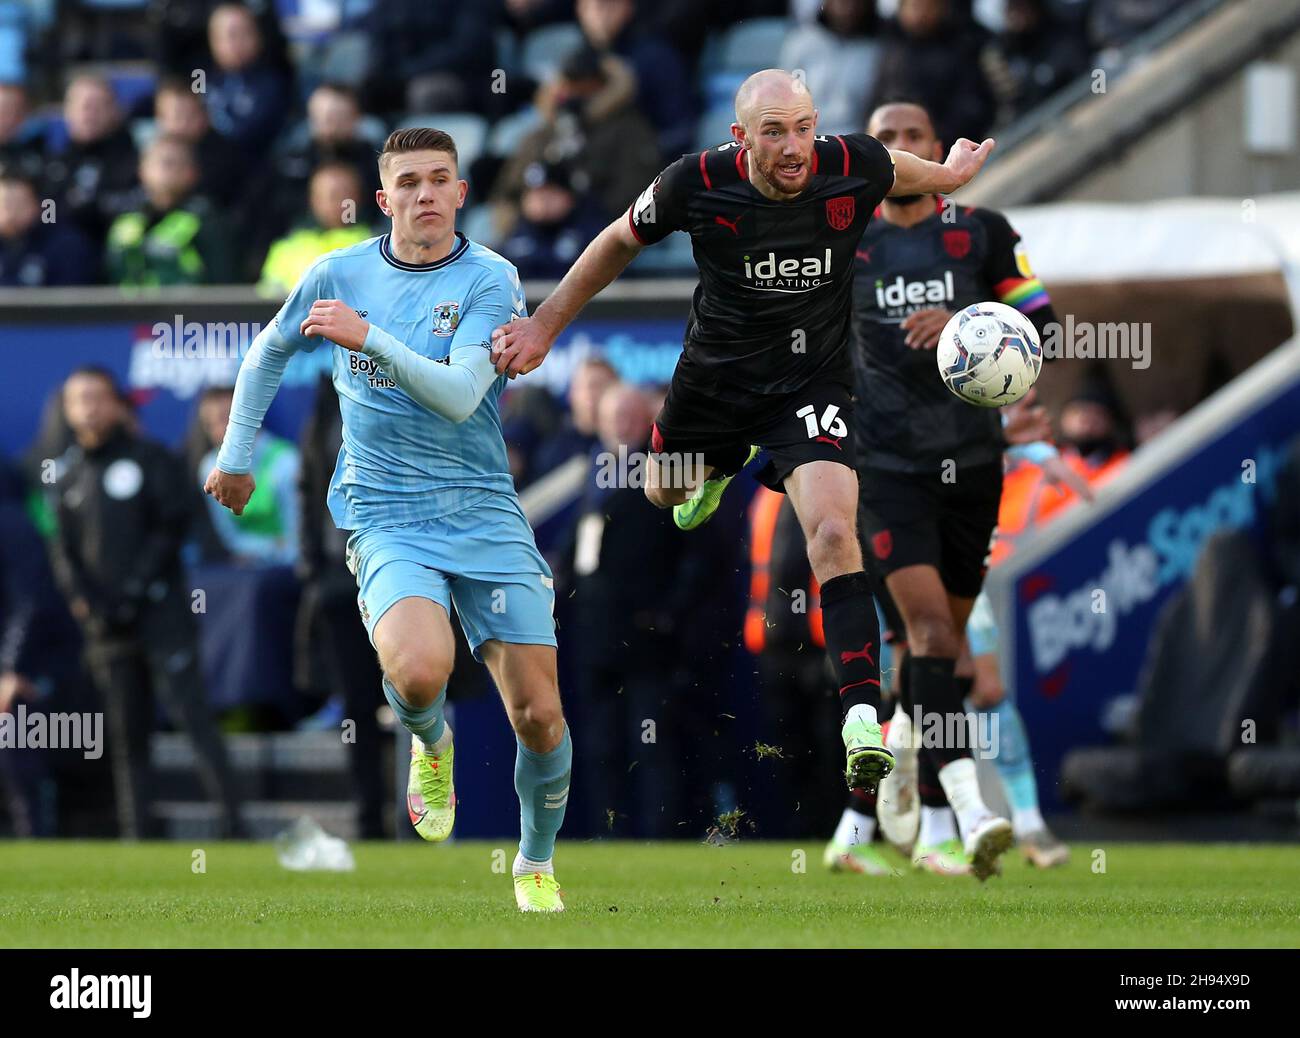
x=482 y=558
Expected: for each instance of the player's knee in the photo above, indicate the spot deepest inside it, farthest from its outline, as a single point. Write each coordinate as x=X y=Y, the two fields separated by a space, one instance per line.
x=419 y=677
x=932 y=634
x=833 y=547
x=539 y=723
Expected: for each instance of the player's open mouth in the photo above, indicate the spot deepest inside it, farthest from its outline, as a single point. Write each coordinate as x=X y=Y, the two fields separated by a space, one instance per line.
x=790 y=169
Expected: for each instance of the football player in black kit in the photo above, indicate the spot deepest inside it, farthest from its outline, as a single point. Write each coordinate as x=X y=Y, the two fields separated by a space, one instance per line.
x=931 y=480
x=774 y=216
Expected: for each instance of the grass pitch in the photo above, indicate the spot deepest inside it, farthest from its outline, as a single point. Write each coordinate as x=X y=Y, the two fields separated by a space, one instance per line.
x=681 y=895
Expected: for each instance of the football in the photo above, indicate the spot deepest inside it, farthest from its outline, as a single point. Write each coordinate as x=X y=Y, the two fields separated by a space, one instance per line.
x=989 y=354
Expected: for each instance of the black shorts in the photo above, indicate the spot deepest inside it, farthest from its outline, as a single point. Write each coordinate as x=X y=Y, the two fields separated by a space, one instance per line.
x=910 y=519
x=813 y=424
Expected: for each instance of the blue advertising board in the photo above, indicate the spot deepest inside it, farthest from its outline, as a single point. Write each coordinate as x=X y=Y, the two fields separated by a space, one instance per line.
x=1082 y=604
x=163 y=365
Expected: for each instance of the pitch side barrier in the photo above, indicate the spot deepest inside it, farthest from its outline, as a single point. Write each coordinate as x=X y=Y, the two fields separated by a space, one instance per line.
x=1077 y=602
x=165 y=347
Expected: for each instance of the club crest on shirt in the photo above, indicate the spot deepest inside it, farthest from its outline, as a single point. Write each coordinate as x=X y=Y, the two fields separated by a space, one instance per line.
x=957 y=243
x=445 y=318
x=839 y=212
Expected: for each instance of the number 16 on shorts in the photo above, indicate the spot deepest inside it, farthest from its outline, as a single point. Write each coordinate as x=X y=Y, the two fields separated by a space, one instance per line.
x=831 y=422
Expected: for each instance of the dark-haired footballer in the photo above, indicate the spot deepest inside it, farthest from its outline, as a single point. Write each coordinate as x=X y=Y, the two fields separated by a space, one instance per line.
x=774 y=216
x=423 y=483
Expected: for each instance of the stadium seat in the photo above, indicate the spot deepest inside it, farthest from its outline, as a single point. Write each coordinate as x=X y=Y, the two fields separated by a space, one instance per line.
x=509 y=131
x=544 y=49
x=507 y=49
x=714 y=127
x=670 y=257
x=753 y=44
x=476 y=224
x=13 y=44
x=468 y=130
x=143 y=132
x=736 y=53
x=343 y=58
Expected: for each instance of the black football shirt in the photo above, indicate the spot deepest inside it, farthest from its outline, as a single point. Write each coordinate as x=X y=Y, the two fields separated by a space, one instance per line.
x=771 y=312
x=906 y=419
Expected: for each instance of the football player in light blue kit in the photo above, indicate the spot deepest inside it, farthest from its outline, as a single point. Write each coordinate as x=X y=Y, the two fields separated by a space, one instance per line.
x=423 y=482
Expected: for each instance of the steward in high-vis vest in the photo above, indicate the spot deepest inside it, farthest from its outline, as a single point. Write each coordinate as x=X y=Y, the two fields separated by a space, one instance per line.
x=174 y=237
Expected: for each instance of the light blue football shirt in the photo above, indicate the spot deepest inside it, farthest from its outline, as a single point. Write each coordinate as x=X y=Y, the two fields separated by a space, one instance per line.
x=401 y=463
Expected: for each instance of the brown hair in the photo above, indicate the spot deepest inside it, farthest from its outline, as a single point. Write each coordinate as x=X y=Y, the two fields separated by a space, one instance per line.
x=418 y=138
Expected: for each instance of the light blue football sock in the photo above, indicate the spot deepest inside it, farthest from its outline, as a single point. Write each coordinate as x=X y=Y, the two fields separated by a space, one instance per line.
x=1014 y=763
x=542 y=782
x=428 y=724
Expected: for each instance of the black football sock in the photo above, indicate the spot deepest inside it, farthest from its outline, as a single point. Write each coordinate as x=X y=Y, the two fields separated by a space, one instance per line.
x=937 y=702
x=927 y=781
x=852 y=634
x=862 y=801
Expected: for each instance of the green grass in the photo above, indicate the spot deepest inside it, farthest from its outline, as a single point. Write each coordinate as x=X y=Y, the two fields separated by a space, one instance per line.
x=746 y=894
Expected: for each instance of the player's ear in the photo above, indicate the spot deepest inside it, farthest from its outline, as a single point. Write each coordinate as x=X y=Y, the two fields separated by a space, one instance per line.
x=462 y=189
x=738 y=135
x=381 y=200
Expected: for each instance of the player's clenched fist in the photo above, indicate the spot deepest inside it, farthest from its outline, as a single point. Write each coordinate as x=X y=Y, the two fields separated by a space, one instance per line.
x=966 y=157
x=520 y=346
x=230 y=489
x=336 y=321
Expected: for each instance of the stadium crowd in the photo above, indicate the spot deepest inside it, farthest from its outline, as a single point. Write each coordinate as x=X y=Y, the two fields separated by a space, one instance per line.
x=196 y=142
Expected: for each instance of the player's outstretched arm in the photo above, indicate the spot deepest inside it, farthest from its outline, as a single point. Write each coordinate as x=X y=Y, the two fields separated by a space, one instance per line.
x=452 y=390
x=522 y=344
x=914 y=175
x=230 y=481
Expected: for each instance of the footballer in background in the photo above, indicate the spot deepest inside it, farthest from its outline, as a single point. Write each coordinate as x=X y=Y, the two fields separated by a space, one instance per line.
x=930 y=468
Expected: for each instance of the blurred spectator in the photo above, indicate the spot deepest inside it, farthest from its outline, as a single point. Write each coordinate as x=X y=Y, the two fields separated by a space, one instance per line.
x=179 y=29
x=431 y=56
x=591 y=379
x=39 y=652
x=1035 y=56
x=1093 y=446
x=122 y=511
x=664 y=91
x=335 y=199
x=558 y=220
x=1147 y=427
x=179 y=112
x=266 y=534
x=530 y=418
x=637 y=577
x=523 y=16
x=933 y=55
x=91 y=178
x=36 y=253
x=20 y=152
x=1113 y=23
x=333 y=135
x=839 y=55
x=175 y=237
x=588 y=120
x=333 y=651
x=248 y=96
